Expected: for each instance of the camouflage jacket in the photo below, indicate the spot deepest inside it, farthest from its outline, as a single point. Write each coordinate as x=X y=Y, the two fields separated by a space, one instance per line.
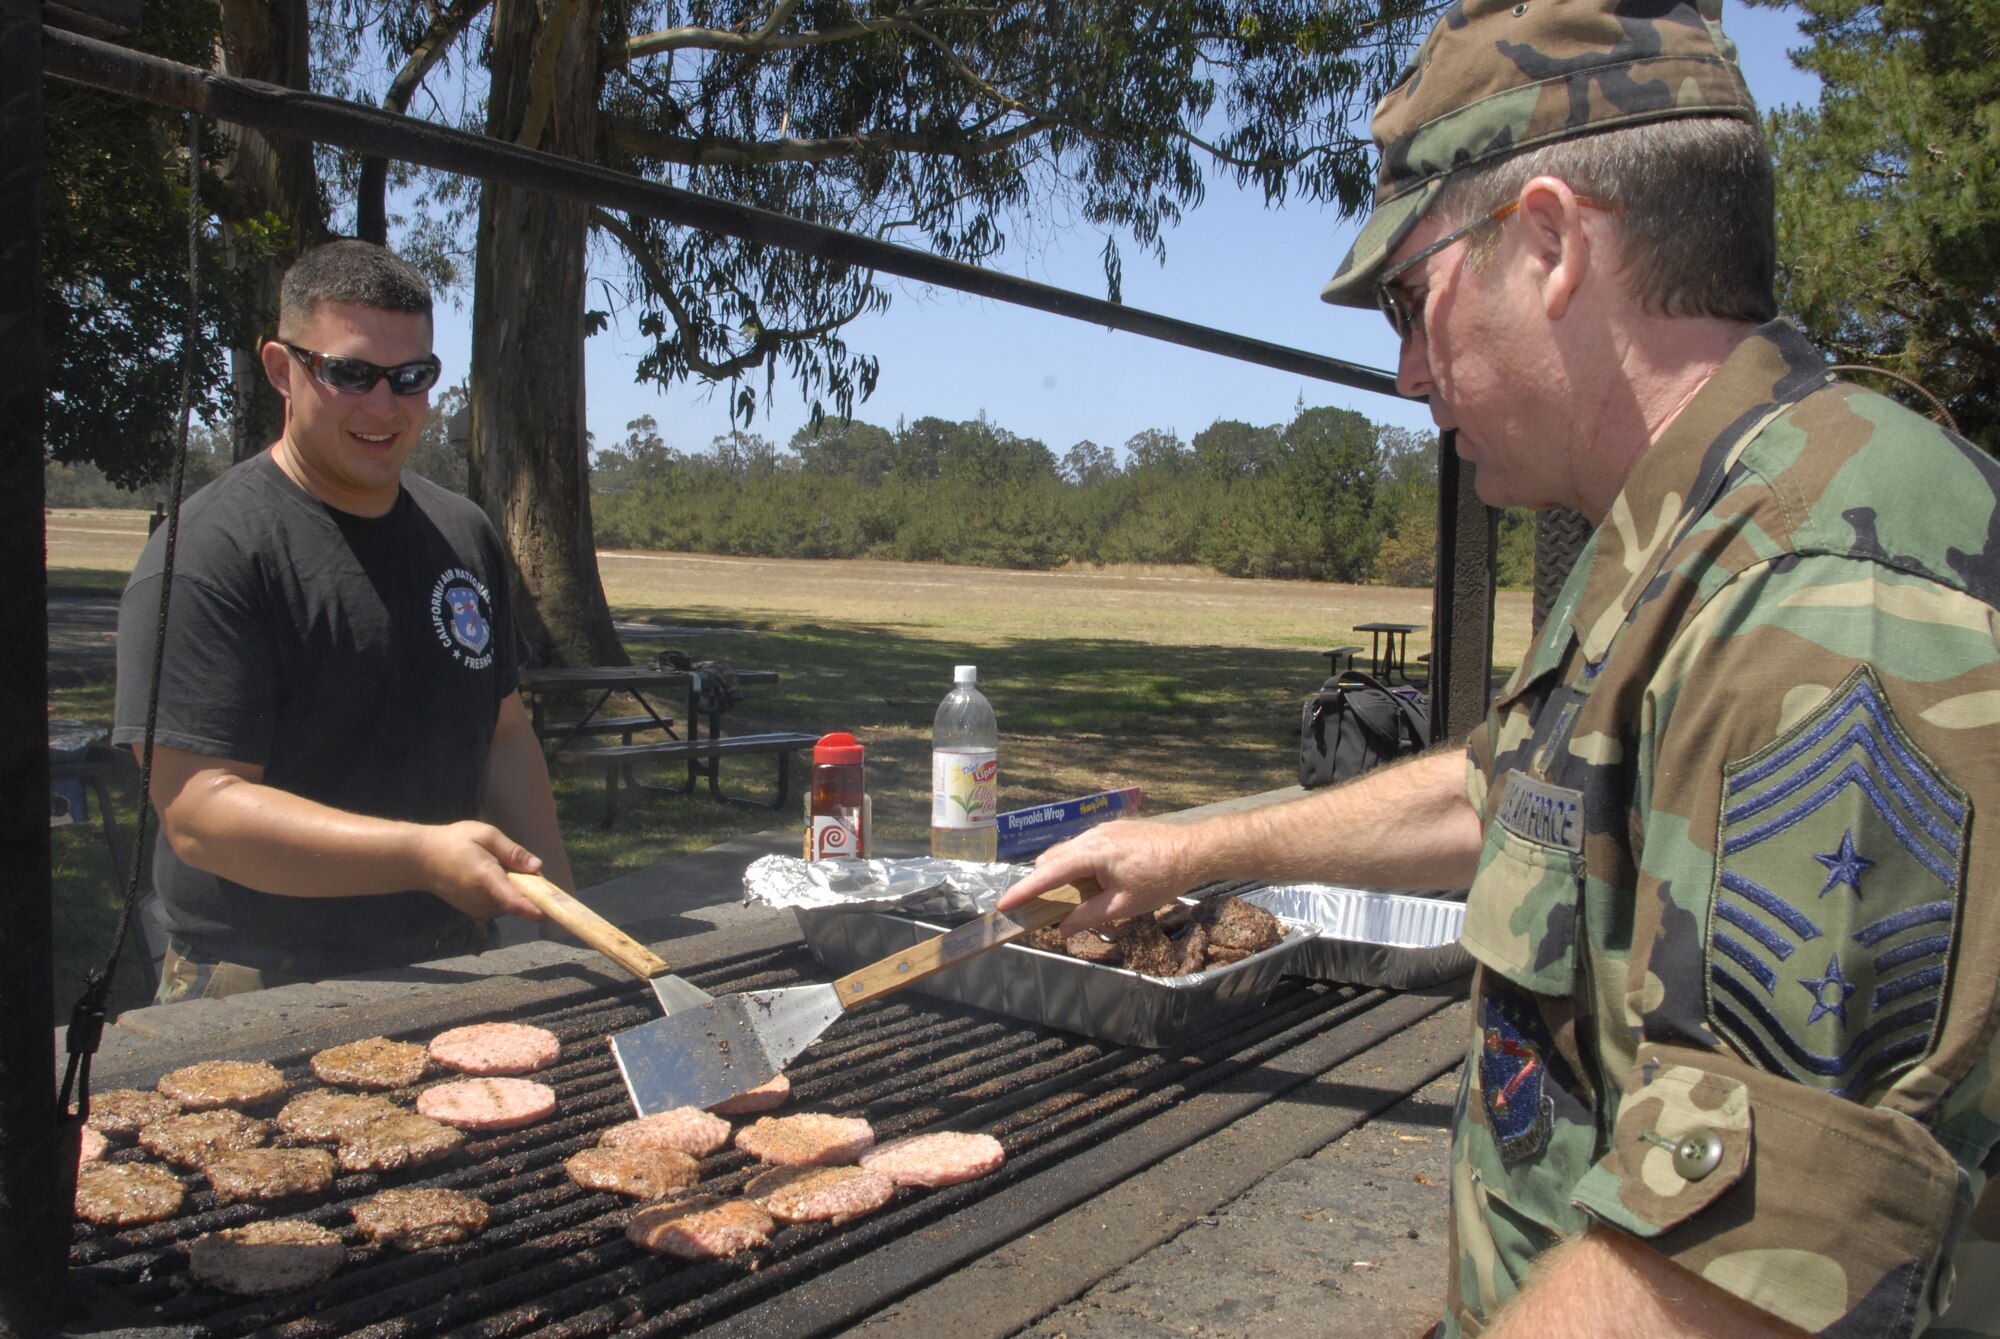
x=1738 y=946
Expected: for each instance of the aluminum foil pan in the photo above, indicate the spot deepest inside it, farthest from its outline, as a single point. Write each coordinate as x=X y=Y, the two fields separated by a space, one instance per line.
x=1371 y=939
x=1109 y=1003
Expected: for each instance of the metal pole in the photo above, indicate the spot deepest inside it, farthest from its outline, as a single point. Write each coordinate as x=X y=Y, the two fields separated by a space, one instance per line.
x=34 y=1218
x=1462 y=600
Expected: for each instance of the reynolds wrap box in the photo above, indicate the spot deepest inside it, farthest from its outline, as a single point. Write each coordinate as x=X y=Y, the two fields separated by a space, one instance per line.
x=1026 y=831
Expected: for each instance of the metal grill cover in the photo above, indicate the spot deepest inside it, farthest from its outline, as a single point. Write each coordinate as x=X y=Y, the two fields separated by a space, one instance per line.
x=1366 y=938
x=1109 y=1003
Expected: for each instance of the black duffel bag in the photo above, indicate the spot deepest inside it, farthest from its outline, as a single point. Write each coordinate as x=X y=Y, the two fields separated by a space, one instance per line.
x=1356 y=721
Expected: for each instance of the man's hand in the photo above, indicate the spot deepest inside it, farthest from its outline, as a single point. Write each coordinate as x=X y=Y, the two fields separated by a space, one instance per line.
x=467 y=864
x=1138 y=865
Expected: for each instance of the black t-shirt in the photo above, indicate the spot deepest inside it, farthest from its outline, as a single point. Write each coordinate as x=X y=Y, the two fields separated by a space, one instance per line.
x=361 y=661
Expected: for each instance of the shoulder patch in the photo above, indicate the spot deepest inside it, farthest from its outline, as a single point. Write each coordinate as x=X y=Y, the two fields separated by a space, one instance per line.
x=1840 y=858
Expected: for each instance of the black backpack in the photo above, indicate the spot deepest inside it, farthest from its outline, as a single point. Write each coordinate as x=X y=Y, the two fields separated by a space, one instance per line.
x=1354 y=722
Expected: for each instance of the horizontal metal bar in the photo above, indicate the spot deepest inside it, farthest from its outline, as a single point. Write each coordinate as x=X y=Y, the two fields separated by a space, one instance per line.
x=370 y=130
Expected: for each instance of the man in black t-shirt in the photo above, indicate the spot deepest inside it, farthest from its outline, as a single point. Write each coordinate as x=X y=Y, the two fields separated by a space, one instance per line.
x=343 y=768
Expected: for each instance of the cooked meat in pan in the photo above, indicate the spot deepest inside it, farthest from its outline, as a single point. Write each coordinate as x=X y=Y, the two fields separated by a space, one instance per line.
x=269 y=1173
x=1147 y=948
x=809 y=1139
x=488 y=1104
x=700 y=1227
x=121 y=1112
x=496 y=1048
x=1049 y=939
x=761 y=1098
x=323 y=1116
x=642 y=1173
x=804 y=1194
x=420 y=1218
x=688 y=1129
x=190 y=1140
x=268 y=1257
x=1234 y=923
x=1087 y=945
x=224 y=1083
x=125 y=1194
x=942 y=1158
x=1173 y=941
x=392 y=1143
x=373 y=1062
x=1222 y=957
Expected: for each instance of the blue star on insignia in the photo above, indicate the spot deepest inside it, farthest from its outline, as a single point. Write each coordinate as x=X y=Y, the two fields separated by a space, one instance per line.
x=1844 y=866
x=1841 y=988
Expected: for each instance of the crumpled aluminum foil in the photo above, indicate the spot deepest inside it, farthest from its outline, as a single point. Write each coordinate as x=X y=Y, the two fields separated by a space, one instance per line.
x=921 y=886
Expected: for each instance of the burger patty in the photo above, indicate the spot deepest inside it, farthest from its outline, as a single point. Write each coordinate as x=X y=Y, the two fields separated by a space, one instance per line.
x=942 y=1158
x=688 y=1129
x=323 y=1116
x=393 y=1143
x=125 y=1194
x=91 y=1146
x=269 y=1173
x=809 y=1139
x=1233 y=923
x=803 y=1194
x=191 y=1140
x=421 y=1218
x=642 y=1173
x=700 y=1227
x=224 y=1083
x=496 y=1048
x=373 y=1062
x=266 y=1257
x=122 y=1112
x=761 y=1098
x=488 y=1104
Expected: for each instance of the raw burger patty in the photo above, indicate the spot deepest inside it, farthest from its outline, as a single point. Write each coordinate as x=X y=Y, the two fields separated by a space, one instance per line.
x=642 y=1173
x=123 y=1112
x=942 y=1158
x=224 y=1083
x=700 y=1227
x=374 y=1062
x=267 y=1257
x=799 y=1194
x=761 y=1098
x=191 y=1140
x=323 y=1116
x=269 y=1173
x=496 y=1048
x=689 y=1129
x=809 y=1139
x=92 y=1146
x=488 y=1104
x=392 y=1143
x=421 y=1218
x=125 y=1194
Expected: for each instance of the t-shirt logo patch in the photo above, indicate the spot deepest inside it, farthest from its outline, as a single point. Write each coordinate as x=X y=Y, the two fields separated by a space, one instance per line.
x=1838 y=890
x=460 y=609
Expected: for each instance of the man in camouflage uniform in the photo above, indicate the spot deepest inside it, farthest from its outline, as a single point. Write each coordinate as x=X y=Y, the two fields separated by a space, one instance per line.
x=1734 y=1067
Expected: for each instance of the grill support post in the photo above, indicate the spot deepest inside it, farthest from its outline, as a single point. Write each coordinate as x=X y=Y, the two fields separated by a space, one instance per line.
x=34 y=1222
x=1461 y=600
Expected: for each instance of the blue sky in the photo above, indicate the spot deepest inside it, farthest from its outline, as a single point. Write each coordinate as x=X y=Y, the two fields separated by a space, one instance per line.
x=1232 y=263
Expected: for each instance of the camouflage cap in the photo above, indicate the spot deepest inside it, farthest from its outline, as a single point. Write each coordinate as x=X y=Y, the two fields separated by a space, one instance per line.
x=1495 y=77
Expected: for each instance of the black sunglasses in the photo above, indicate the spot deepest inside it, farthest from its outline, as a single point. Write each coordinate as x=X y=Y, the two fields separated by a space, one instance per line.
x=1405 y=316
x=357 y=376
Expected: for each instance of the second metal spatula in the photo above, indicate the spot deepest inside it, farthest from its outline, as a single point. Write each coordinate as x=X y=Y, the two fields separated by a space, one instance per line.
x=698 y=1057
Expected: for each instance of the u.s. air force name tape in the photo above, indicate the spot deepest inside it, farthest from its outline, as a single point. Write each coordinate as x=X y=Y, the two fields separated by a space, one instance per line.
x=1541 y=813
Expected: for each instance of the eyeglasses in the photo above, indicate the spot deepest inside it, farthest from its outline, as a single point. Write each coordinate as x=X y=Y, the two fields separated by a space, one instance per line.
x=1406 y=318
x=357 y=376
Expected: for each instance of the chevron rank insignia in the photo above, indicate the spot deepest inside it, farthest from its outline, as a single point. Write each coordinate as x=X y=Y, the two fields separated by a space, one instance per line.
x=1839 y=877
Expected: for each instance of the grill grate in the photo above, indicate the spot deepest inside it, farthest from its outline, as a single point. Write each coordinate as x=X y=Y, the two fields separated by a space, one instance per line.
x=553 y=1260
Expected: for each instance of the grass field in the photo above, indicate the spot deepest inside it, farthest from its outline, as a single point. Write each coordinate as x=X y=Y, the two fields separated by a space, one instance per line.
x=1178 y=681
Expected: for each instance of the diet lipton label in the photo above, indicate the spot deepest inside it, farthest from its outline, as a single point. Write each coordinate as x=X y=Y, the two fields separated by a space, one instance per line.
x=965 y=787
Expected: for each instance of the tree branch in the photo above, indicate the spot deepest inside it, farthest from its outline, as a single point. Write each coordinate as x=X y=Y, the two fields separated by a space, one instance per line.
x=715 y=151
x=371 y=199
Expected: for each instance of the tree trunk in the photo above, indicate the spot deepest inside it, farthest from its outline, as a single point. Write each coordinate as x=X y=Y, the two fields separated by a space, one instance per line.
x=528 y=465
x=265 y=40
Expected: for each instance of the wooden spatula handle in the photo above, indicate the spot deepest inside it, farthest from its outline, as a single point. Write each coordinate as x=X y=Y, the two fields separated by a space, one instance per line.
x=590 y=927
x=969 y=940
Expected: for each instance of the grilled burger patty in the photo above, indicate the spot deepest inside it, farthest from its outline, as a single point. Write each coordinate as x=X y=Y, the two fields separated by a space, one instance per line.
x=122 y=1112
x=642 y=1173
x=419 y=1218
x=761 y=1098
x=125 y=1194
x=373 y=1062
x=224 y=1083
x=689 y=1129
x=941 y=1158
x=323 y=1116
x=809 y=1139
x=394 y=1142
x=488 y=1104
x=269 y=1173
x=802 y=1194
x=700 y=1227
x=190 y=1140
x=496 y=1048
x=275 y=1256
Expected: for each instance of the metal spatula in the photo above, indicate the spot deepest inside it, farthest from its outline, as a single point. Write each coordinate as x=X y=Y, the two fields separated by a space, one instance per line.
x=698 y=1057
x=673 y=993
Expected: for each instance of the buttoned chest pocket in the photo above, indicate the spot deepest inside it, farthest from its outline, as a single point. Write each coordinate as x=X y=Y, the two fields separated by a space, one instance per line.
x=1521 y=916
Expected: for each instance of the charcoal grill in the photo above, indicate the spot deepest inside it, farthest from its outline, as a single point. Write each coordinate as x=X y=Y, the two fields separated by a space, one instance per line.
x=1075 y=1116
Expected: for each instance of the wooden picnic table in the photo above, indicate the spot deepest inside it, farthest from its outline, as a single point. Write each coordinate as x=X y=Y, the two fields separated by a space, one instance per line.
x=1388 y=643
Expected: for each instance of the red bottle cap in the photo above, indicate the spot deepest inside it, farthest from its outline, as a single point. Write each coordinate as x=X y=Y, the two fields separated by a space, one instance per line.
x=838 y=750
